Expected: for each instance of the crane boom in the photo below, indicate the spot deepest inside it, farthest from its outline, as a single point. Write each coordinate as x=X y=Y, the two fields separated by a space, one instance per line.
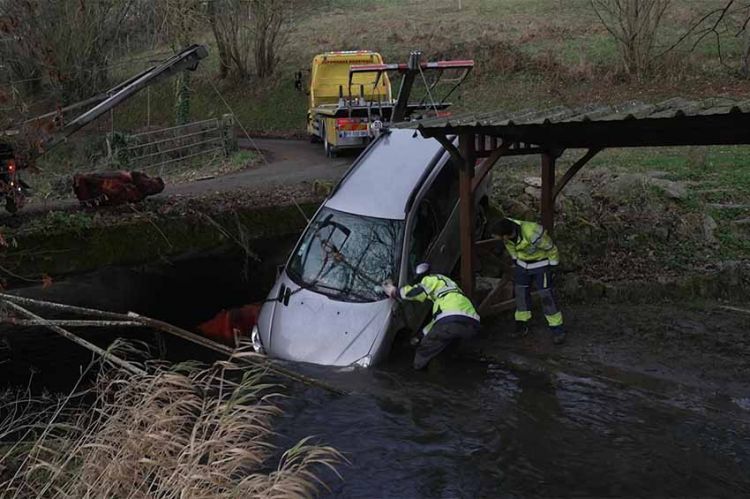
x=186 y=59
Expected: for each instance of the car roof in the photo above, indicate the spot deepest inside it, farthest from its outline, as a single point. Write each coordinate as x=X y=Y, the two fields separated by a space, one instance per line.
x=381 y=181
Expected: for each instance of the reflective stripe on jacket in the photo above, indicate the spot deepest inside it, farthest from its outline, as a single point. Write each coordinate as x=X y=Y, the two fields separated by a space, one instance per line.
x=533 y=248
x=447 y=298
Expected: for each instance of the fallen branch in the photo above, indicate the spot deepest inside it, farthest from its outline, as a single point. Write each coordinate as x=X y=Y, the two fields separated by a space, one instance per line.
x=68 y=323
x=266 y=362
x=218 y=347
x=75 y=339
x=735 y=309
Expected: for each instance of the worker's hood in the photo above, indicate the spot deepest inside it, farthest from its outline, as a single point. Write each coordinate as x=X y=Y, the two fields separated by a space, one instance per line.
x=315 y=328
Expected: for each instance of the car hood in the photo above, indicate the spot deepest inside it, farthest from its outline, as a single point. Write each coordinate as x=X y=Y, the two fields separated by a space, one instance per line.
x=317 y=329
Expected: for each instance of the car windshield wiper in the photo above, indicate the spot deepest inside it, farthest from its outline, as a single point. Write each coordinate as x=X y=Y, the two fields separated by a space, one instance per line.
x=342 y=292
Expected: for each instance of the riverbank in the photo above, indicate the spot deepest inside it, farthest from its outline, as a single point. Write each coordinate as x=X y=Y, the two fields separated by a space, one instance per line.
x=698 y=345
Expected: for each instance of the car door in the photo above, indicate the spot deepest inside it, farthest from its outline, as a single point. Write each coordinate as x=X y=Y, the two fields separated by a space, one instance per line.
x=431 y=232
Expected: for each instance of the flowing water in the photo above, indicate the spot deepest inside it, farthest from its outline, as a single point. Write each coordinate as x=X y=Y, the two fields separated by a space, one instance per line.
x=469 y=429
x=480 y=430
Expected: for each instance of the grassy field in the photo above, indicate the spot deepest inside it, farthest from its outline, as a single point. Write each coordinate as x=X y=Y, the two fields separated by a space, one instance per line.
x=528 y=53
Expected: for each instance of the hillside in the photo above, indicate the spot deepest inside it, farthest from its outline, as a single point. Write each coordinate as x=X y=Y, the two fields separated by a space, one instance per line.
x=529 y=53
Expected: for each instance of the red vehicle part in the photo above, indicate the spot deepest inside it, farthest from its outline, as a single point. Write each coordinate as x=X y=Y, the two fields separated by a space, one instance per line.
x=114 y=188
x=228 y=325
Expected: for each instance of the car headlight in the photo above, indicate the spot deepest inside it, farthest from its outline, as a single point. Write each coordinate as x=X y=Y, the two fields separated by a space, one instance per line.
x=363 y=362
x=255 y=339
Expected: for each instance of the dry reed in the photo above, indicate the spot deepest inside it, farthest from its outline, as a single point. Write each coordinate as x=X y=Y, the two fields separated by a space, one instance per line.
x=178 y=431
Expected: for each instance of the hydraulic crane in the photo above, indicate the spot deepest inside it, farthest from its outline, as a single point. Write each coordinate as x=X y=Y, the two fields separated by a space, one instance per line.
x=12 y=161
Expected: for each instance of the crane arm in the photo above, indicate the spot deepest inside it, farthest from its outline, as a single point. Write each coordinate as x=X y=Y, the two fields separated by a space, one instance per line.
x=186 y=59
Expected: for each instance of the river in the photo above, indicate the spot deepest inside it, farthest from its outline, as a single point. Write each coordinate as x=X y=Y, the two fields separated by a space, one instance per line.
x=481 y=430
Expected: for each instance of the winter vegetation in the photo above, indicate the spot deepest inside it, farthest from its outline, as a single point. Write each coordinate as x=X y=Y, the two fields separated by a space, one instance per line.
x=179 y=431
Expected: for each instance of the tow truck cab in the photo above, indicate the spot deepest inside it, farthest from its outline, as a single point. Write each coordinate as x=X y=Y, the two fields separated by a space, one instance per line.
x=339 y=114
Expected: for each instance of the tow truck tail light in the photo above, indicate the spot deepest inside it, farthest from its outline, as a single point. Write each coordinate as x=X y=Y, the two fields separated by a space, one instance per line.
x=348 y=124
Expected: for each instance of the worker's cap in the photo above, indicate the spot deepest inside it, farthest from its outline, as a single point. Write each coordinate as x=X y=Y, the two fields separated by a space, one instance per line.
x=423 y=268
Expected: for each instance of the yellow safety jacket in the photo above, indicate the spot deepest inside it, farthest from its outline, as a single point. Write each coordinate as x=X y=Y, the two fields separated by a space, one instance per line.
x=447 y=298
x=533 y=248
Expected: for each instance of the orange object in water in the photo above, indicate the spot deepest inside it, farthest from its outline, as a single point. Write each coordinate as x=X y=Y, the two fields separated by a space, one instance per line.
x=229 y=324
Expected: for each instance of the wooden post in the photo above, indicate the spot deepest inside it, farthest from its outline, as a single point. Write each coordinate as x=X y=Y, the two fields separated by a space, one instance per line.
x=548 y=189
x=466 y=144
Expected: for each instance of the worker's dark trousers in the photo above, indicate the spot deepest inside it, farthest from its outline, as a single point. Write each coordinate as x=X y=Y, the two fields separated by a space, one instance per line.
x=442 y=334
x=542 y=279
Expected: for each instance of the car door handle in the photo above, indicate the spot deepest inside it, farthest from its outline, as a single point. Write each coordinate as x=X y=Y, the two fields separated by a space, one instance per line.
x=442 y=248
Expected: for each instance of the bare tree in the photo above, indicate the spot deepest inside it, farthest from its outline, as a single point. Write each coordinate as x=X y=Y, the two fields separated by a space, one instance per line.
x=62 y=44
x=182 y=19
x=634 y=24
x=270 y=17
x=233 y=29
x=726 y=20
x=249 y=31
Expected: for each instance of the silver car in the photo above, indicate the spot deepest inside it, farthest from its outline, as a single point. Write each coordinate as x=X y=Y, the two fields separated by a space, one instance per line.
x=395 y=207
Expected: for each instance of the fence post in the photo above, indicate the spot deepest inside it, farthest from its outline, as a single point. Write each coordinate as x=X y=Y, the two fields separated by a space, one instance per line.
x=227 y=130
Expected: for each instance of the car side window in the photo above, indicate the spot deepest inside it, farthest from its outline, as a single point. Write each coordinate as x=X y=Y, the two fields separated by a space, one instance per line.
x=425 y=230
x=443 y=193
x=432 y=214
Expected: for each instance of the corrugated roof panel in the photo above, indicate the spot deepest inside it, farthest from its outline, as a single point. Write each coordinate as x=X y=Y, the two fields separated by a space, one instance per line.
x=725 y=109
x=589 y=113
x=743 y=106
x=670 y=109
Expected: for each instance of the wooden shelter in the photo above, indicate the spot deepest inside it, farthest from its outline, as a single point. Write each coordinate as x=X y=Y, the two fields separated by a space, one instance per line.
x=485 y=138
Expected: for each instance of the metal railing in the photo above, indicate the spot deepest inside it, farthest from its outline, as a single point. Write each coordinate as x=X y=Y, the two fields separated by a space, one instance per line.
x=155 y=149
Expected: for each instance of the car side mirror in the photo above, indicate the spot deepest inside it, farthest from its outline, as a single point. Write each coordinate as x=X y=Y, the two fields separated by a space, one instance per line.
x=279 y=270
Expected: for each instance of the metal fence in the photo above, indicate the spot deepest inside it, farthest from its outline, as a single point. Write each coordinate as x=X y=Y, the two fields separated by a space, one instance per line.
x=157 y=149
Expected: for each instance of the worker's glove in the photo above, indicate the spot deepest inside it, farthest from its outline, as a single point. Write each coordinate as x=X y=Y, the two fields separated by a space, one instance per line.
x=389 y=289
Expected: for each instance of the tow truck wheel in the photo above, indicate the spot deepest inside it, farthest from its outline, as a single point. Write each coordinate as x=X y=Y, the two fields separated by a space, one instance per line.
x=329 y=149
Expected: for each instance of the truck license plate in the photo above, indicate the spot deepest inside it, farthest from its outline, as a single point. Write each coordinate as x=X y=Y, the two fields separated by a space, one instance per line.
x=354 y=134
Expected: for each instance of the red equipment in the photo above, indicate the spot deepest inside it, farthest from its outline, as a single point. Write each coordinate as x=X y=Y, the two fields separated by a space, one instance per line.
x=114 y=188
x=228 y=325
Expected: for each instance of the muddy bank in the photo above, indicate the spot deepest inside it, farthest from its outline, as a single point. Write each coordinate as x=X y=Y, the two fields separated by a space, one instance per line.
x=693 y=344
x=184 y=291
x=75 y=241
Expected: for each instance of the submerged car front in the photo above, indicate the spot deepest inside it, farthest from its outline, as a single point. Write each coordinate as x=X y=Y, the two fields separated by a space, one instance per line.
x=327 y=306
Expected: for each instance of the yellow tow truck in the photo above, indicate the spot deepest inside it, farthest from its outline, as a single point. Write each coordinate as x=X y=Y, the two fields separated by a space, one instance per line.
x=350 y=95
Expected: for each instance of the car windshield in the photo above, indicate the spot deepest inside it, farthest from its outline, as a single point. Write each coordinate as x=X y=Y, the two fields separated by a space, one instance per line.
x=347 y=256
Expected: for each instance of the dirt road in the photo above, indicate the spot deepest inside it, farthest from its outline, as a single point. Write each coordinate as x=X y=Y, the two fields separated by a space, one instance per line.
x=287 y=163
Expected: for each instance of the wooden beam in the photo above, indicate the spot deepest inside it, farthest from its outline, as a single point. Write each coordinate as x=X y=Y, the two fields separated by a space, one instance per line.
x=488 y=163
x=448 y=146
x=548 y=188
x=467 y=144
x=574 y=168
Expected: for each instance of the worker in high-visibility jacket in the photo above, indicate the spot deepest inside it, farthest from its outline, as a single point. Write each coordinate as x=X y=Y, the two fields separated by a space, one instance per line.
x=453 y=314
x=534 y=256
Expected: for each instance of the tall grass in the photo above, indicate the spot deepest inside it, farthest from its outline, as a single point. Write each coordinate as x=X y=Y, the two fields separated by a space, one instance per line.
x=179 y=431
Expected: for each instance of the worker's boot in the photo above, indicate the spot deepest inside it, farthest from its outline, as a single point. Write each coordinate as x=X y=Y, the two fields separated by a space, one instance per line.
x=558 y=335
x=522 y=329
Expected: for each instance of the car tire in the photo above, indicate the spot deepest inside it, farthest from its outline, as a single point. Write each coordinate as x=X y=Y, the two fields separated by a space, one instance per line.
x=324 y=138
